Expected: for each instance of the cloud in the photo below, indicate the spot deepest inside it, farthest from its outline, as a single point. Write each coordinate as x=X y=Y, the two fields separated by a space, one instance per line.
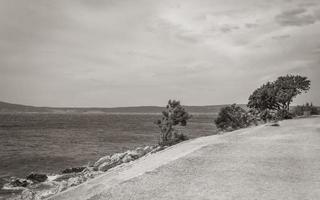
x=295 y=17
x=251 y=25
x=281 y=37
x=118 y=53
x=226 y=28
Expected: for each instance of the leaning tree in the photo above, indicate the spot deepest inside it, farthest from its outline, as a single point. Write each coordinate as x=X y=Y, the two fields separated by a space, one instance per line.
x=279 y=94
x=172 y=116
x=289 y=87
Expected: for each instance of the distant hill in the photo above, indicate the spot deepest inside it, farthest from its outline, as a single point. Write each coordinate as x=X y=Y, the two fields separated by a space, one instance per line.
x=8 y=107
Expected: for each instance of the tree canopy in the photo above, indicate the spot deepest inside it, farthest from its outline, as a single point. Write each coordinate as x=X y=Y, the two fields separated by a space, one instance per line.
x=173 y=115
x=279 y=94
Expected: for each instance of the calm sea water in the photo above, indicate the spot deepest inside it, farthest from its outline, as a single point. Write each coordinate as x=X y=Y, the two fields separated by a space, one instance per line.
x=51 y=142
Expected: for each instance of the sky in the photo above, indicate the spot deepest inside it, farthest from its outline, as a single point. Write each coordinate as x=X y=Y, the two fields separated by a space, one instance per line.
x=109 y=53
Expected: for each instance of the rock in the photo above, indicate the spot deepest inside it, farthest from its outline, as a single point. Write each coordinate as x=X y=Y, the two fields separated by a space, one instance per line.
x=73 y=170
x=17 y=182
x=102 y=160
x=117 y=157
x=90 y=164
x=45 y=189
x=107 y=165
x=134 y=154
x=65 y=177
x=274 y=124
x=147 y=149
x=29 y=195
x=158 y=148
x=141 y=152
x=63 y=186
x=76 y=181
x=37 y=178
x=127 y=158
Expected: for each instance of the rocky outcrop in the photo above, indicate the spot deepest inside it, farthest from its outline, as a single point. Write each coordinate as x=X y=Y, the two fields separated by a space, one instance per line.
x=40 y=186
x=107 y=162
x=37 y=178
x=73 y=170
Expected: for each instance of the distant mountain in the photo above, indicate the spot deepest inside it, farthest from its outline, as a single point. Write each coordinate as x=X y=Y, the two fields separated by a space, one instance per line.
x=8 y=107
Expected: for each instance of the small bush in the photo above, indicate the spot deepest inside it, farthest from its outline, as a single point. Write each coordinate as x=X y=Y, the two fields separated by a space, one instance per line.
x=300 y=109
x=174 y=115
x=232 y=117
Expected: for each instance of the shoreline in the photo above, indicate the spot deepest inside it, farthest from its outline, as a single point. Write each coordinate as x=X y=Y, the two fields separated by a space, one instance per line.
x=25 y=188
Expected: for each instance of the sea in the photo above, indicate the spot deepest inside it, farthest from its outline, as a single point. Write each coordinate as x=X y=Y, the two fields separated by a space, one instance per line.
x=51 y=142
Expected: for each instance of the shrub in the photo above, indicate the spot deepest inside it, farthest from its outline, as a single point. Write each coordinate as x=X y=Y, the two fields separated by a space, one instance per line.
x=232 y=117
x=174 y=115
x=300 y=109
x=267 y=115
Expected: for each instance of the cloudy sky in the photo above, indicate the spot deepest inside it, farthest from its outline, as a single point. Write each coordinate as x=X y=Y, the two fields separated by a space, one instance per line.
x=143 y=52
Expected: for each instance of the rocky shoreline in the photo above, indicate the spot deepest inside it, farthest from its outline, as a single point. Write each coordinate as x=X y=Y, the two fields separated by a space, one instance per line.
x=40 y=186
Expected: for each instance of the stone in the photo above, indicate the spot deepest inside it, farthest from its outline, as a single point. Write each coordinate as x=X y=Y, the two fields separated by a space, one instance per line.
x=134 y=154
x=127 y=158
x=102 y=160
x=140 y=151
x=75 y=181
x=147 y=149
x=107 y=165
x=65 y=177
x=17 y=182
x=63 y=186
x=29 y=195
x=46 y=189
x=117 y=157
x=37 y=178
x=73 y=170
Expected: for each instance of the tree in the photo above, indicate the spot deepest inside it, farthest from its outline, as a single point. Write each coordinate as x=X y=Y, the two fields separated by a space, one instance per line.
x=232 y=117
x=289 y=87
x=279 y=94
x=174 y=115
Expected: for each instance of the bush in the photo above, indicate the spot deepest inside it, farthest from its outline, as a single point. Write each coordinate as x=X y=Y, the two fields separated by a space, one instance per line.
x=232 y=117
x=174 y=115
x=300 y=109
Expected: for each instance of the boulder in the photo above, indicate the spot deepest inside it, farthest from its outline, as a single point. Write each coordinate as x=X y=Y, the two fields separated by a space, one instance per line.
x=102 y=160
x=107 y=165
x=76 y=181
x=147 y=149
x=45 y=189
x=134 y=154
x=29 y=195
x=37 y=178
x=117 y=157
x=63 y=186
x=73 y=170
x=17 y=182
x=140 y=151
x=127 y=158
x=158 y=148
x=65 y=177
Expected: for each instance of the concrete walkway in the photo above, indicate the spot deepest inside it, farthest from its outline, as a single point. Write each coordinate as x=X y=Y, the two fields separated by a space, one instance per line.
x=258 y=163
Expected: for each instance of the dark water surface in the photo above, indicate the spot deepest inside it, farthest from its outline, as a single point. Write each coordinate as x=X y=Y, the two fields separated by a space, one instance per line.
x=42 y=142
